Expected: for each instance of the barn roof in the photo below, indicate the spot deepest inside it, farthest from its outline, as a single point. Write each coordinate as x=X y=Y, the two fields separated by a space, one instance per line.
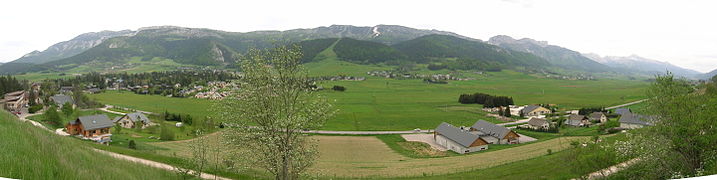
x=490 y=129
x=461 y=137
x=537 y=121
x=61 y=99
x=631 y=118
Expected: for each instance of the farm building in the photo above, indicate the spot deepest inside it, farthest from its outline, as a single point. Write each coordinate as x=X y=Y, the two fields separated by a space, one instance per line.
x=577 y=120
x=131 y=120
x=534 y=111
x=494 y=134
x=622 y=111
x=458 y=139
x=94 y=127
x=538 y=123
x=61 y=99
x=597 y=117
x=634 y=121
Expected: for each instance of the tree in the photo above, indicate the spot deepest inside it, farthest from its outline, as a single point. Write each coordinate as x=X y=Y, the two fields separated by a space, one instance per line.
x=339 y=88
x=118 y=128
x=52 y=116
x=267 y=114
x=507 y=112
x=67 y=109
x=166 y=134
x=132 y=144
x=683 y=140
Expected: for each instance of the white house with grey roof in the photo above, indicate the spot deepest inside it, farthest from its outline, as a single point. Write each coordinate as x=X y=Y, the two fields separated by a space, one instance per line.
x=534 y=111
x=459 y=140
x=132 y=120
x=494 y=134
x=634 y=121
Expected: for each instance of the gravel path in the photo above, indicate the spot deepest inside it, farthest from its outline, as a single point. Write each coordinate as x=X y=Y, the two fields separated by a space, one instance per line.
x=154 y=164
x=626 y=104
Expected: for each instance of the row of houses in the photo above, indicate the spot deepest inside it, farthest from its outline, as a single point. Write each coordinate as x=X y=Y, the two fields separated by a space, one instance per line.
x=476 y=138
x=98 y=127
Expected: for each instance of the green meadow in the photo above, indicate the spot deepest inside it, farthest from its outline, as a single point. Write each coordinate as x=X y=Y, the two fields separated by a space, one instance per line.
x=29 y=152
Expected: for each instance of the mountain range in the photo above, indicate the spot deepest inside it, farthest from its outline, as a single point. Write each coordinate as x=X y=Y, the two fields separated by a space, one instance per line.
x=388 y=44
x=644 y=65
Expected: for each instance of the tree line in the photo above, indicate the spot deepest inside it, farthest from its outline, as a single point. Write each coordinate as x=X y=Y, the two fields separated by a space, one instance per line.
x=10 y=84
x=487 y=100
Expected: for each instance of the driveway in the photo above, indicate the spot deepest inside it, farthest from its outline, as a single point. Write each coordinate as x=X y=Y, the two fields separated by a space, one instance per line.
x=424 y=138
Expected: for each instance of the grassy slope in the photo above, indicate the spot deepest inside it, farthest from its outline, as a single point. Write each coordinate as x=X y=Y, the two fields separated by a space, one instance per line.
x=31 y=153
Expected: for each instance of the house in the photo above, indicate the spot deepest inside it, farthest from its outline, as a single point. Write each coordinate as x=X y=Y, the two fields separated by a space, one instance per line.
x=534 y=110
x=622 y=111
x=458 y=139
x=94 y=127
x=634 y=121
x=131 y=120
x=66 y=89
x=538 y=123
x=61 y=99
x=577 y=120
x=93 y=90
x=494 y=134
x=14 y=101
x=598 y=117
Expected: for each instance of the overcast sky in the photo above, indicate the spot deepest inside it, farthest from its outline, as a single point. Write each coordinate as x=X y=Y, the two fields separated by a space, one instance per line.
x=683 y=33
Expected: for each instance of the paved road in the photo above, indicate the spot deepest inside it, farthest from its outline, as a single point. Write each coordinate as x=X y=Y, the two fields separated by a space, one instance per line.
x=155 y=164
x=626 y=104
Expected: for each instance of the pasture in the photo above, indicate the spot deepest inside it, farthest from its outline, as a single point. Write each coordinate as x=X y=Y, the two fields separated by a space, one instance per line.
x=369 y=157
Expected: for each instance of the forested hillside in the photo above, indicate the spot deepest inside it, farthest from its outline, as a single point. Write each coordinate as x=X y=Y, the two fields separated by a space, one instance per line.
x=469 y=54
x=366 y=52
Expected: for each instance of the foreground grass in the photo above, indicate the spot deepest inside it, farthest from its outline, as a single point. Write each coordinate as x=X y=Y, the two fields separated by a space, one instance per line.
x=31 y=153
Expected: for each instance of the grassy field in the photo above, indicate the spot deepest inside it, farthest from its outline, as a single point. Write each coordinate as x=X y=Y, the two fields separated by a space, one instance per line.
x=29 y=152
x=390 y=104
x=158 y=104
x=369 y=157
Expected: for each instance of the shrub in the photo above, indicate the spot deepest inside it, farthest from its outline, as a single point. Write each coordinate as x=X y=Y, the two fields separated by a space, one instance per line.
x=550 y=151
x=339 y=88
x=166 y=134
x=132 y=145
x=34 y=108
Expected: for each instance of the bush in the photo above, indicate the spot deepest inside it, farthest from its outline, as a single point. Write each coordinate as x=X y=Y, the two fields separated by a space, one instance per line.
x=434 y=67
x=132 y=145
x=550 y=151
x=339 y=88
x=34 y=108
x=166 y=134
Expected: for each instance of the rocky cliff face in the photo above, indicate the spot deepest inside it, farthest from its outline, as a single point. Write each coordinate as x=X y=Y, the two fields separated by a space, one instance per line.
x=556 y=55
x=70 y=48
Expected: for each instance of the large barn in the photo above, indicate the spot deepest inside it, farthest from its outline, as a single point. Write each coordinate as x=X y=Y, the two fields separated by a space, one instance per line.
x=458 y=139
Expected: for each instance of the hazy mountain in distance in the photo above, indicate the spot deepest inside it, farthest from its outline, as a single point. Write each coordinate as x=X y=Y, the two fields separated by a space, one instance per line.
x=71 y=47
x=556 y=55
x=644 y=65
x=709 y=74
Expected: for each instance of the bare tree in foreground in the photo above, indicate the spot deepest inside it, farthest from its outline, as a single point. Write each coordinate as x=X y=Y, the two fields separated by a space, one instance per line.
x=275 y=102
